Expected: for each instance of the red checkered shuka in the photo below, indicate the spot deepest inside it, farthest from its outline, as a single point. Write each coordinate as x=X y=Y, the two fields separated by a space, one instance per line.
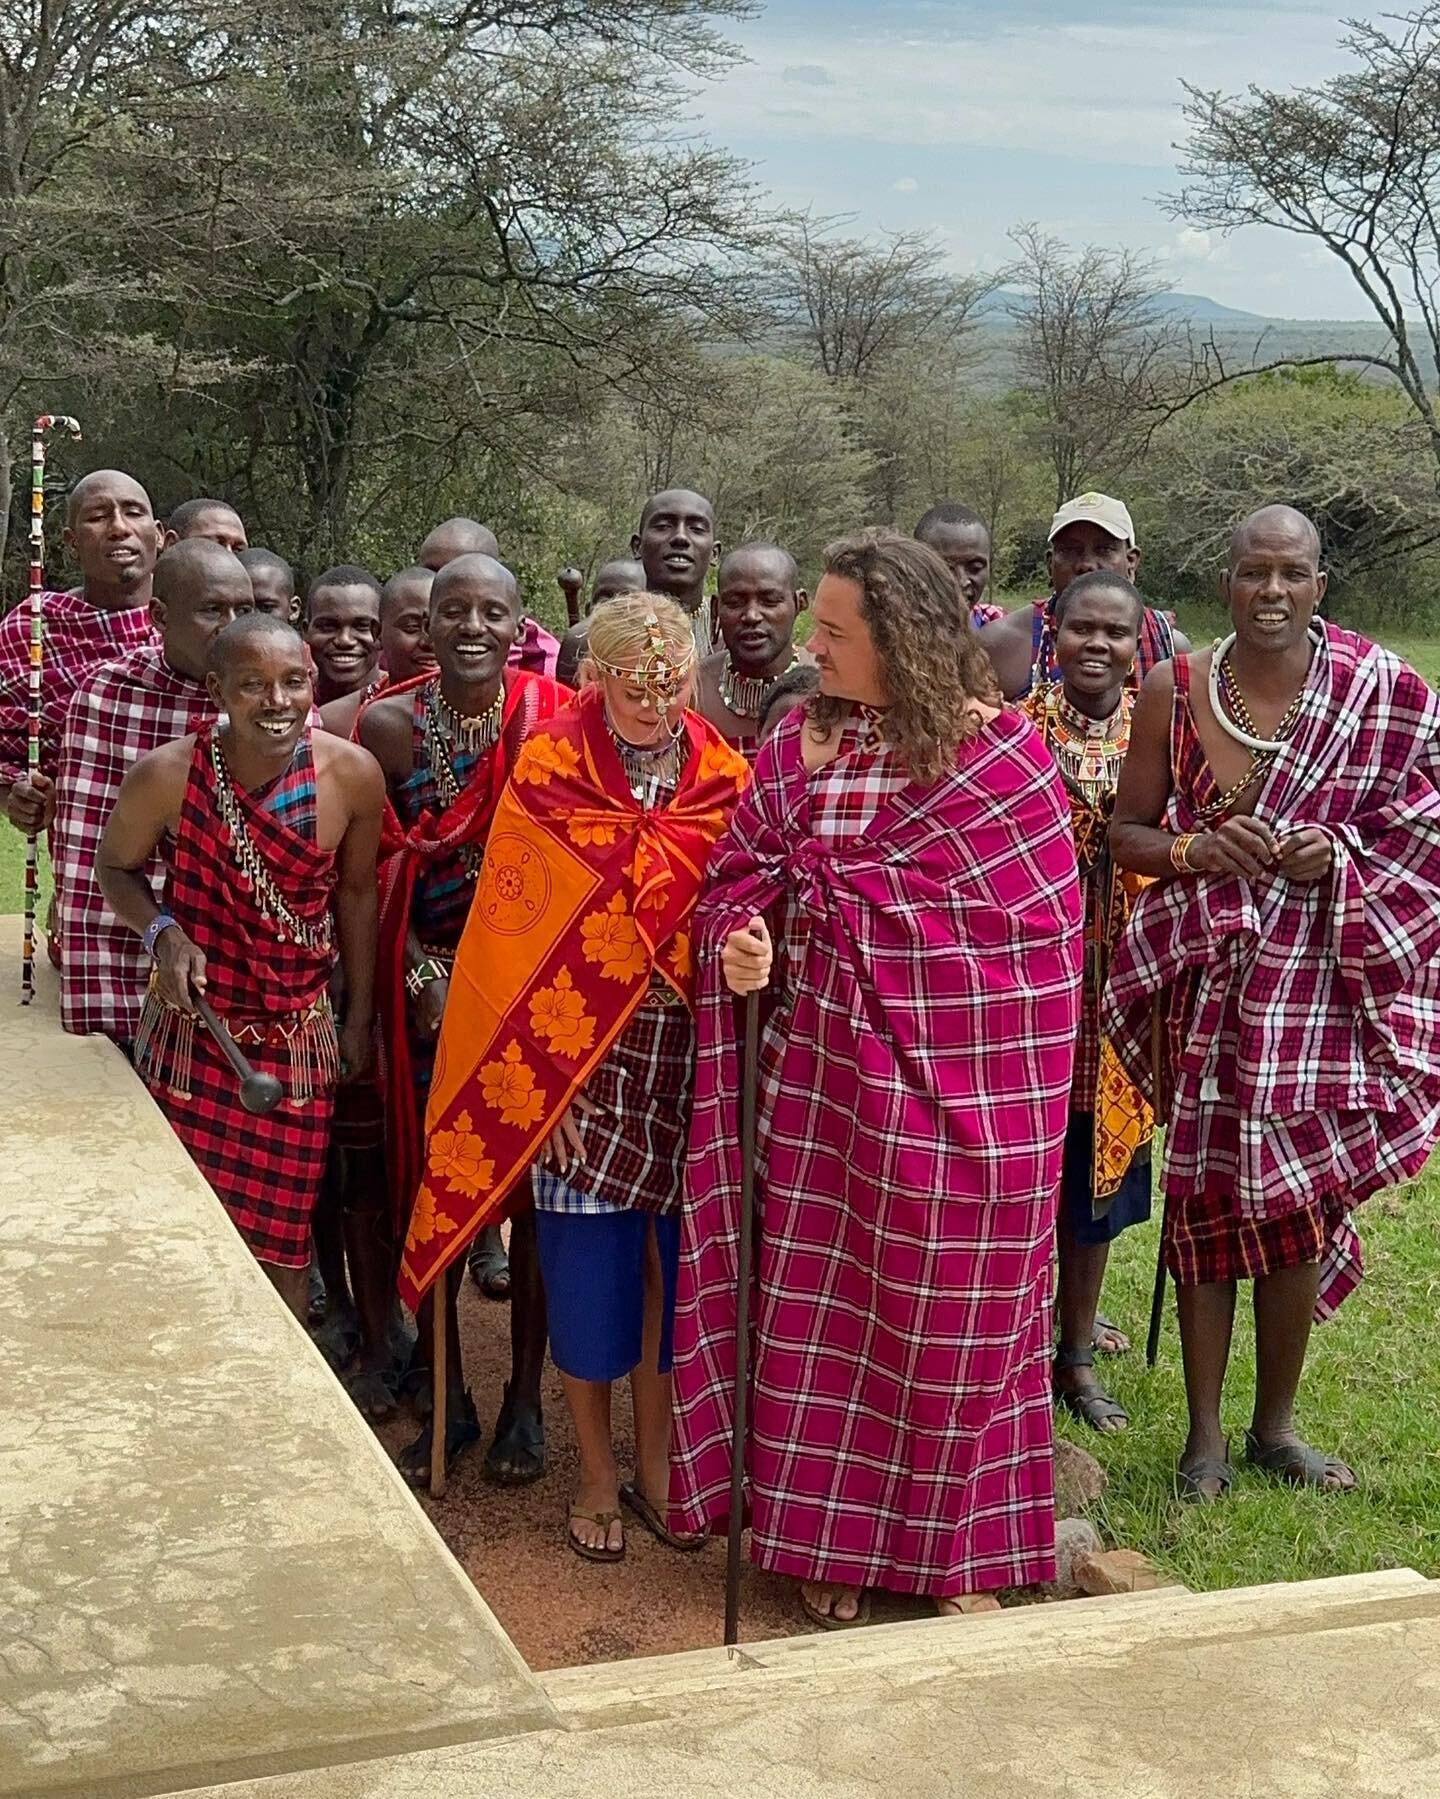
x=266 y=1171
x=118 y=713
x=1306 y=1056
x=913 y=1115
x=79 y=636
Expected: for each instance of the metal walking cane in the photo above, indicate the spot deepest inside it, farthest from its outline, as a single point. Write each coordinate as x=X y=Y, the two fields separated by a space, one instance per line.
x=47 y=421
x=1157 y=1297
x=745 y=1259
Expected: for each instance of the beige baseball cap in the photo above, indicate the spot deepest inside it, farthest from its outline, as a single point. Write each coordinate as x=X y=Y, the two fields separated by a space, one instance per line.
x=1095 y=509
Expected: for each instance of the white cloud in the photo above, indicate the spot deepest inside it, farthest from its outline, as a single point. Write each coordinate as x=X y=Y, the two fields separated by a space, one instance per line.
x=1195 y=246
x=907 y=184
x=1093 y=91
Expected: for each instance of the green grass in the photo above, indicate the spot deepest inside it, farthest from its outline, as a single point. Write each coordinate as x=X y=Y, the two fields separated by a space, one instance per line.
x=1369 y=1394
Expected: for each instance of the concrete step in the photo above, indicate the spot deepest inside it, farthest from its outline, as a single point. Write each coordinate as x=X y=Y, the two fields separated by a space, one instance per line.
x=1103 y=1631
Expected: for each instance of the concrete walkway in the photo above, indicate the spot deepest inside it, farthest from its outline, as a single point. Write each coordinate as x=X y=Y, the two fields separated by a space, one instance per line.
x=208 y=1566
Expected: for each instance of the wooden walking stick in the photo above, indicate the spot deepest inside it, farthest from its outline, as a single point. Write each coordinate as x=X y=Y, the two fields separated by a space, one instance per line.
x=746 y=1256
x=439 y=1333
x=1157 y=1297
x=47 y=421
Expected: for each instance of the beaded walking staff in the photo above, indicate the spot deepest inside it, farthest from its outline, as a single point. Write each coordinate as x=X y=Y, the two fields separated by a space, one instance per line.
x=58 y=421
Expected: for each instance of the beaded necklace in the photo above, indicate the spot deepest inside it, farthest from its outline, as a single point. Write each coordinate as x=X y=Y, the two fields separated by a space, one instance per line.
x=448 y=732
x=745 y=695
x=1088 y=750
x=289 y=927
x=1234 y=718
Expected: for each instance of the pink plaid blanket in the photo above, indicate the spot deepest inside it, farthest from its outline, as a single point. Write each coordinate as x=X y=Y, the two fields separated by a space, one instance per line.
x=914 y=1102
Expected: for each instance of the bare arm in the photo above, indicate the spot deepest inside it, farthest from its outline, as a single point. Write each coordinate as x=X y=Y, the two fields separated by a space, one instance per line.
x=1238 y=846
x=147 y=806
x=357 y=906
x=1180 y=640
x=1008 y=644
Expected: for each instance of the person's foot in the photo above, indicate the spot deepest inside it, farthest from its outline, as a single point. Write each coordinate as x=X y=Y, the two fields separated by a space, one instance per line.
x=337 y=1338
x=635 y=1499
x=372 y=1392
x=1291 y=1459
x=517 y=1455
x=832 y=1606
x=489 y=1265
x=594 y=1527
x=966 y=1605
x=462 y=1428
x=1107 y=1338
x=315 y=1313
x=1076 y=1388
x=1204 y=1473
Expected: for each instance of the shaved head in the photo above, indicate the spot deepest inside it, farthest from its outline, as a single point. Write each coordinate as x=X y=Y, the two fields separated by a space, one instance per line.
x=764 y=555
x=1274 y=521
x=249 y=632
x=474 y=568
x=190 y=567
x=109 y=480
x=457 y=537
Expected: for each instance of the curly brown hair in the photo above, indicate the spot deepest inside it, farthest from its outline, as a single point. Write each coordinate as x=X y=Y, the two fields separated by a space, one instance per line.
x=931 y=662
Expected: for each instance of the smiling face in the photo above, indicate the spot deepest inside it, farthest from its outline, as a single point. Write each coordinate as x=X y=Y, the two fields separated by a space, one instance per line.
x=265 y=688
x=757 y=606
x=965 y=551
x=343 y=632
x=676 y=544
x=474 y=619
x=1095 y=645
x=1274 y=583
x=405 y=646
x=1083 y=547
x=111 y=531
x=843 y=648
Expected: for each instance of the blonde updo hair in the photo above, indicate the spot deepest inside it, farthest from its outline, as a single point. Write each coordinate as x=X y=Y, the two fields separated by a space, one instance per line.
x=620 y=630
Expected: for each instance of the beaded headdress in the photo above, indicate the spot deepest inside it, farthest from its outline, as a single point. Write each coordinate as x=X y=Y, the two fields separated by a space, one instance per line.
x=662 y=669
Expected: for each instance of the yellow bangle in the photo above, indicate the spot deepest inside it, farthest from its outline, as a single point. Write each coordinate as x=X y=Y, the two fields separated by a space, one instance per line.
x=1180 y=854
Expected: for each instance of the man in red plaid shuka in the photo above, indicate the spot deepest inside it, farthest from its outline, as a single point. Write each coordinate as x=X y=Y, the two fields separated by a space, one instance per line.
x=909 y=842
x=120 y=712
x=1285 y=787
x=269 y=834
x=111 y=531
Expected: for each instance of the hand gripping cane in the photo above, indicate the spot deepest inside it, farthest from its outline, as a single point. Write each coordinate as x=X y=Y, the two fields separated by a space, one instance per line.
x=58 y=421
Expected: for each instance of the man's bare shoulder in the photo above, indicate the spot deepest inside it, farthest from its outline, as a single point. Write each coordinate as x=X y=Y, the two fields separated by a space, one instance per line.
x=1017 y=625
x=352 y=767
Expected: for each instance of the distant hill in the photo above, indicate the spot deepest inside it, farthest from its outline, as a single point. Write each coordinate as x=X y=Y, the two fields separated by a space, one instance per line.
x=1005 y=303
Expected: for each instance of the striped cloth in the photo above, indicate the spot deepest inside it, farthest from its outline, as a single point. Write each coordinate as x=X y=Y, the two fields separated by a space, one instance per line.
x=119 y=713
x=913 y=1121
x=265 y=1171
x=79 y=636
x=1304 y=1020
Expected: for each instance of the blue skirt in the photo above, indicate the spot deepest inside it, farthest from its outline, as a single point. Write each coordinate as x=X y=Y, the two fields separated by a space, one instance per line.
x=593 y=1266
x=1131 y=1204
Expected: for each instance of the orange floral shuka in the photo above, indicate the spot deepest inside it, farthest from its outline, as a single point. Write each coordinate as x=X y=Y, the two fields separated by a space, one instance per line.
x=584 y=900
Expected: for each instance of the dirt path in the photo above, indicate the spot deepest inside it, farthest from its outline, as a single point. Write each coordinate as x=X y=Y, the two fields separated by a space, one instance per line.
x=559 y=1610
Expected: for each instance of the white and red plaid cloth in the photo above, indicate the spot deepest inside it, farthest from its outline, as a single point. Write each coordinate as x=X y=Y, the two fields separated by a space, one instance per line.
x=78 y=637
x=118 y=714
x=1309 y=1069
x=913 y=1115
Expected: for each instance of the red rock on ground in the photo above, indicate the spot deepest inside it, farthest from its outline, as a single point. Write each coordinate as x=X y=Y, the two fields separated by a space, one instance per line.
x=1118 y=1571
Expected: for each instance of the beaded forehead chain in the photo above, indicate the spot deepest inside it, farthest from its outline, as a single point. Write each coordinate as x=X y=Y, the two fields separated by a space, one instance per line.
x=661 y=671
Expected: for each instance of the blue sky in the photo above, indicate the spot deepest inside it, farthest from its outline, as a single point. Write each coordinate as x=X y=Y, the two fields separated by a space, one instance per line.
x=963 y=118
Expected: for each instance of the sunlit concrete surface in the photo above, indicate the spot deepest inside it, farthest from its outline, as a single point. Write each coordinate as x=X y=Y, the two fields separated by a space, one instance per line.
x=208 y=1567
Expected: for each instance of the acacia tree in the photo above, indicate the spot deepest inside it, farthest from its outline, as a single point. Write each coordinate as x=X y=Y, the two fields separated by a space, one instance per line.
x=1097 y=355
x=388 y=202
x=1352 y=165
